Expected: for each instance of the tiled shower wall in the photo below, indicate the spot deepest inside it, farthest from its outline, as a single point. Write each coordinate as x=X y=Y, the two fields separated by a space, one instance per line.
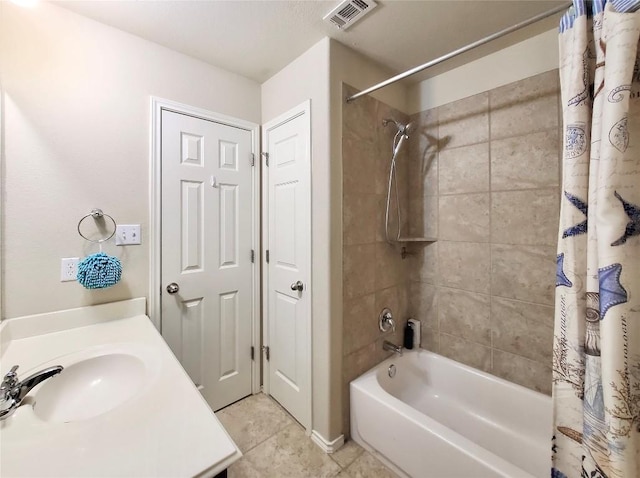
x=374 y=274
x=485 y=180
x=482 y=176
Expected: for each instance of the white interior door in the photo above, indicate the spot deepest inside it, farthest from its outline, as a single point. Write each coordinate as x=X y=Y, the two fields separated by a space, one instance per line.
x=286 y=141
x=207 y=209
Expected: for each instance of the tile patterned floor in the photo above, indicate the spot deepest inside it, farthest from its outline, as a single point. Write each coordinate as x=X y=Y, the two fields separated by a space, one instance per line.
x=275 y=446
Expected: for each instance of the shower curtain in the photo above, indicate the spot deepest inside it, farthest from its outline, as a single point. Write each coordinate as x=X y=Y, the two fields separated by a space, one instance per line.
x=596 y=356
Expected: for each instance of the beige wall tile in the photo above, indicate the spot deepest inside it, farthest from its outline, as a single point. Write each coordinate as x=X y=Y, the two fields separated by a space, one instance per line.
x=422 y=175
x=358 y=163
x=525 y=217
x=378 y=176
x=380 y=210
x=464 y=170
x=403 y=298
x=360 y=323
x=520 y=370
x=464 y=217
x=464 y=265
x=464 y=122
x=359 y=212
x=389 y=266
x=423 y=304
x=423 y=134
x=358 y=117
x=523 y=272
x=465 y=315
x=446 y=173
x=466 y=352
x=522 y=328
x=422 y=162
x=422 y=264
x=423 y=217
x=430 y=339
x=359 y=270
x=525 y=162
x=525 y=106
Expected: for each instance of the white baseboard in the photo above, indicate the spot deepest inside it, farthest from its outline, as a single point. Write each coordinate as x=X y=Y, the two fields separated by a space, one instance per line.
x=327 y=446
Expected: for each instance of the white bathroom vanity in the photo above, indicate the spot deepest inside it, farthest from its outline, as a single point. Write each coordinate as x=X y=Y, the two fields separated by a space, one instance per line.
x=122 y=406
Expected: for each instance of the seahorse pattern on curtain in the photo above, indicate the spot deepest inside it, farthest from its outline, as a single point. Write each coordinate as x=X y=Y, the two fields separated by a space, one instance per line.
x=596 y=356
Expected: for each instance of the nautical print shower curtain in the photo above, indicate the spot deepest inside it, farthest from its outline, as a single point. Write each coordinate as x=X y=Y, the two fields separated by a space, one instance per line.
x=596 y=356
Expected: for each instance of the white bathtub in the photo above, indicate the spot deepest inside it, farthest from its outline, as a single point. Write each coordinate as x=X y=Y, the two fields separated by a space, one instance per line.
x=440 y=419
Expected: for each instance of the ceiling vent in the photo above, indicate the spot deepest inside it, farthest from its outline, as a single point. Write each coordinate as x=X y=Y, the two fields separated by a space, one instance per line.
x=349 y=12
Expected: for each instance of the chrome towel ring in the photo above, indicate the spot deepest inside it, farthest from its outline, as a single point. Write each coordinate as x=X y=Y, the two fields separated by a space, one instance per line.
x=97 y=214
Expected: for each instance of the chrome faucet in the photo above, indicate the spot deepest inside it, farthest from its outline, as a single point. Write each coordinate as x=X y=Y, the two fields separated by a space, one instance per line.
x=12 y=391
x=386 y=345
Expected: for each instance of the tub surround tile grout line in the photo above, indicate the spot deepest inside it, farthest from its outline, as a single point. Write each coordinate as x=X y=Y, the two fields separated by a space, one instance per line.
x=515 y=190
x=500 y=138
x=528 y=302
x=498 y=349
x=489 y=113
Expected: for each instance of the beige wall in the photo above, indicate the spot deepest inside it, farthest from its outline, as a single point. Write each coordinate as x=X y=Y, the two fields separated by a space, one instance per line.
x=305 y=78
x=485 y=179
x=530 y=57
x=76 y=128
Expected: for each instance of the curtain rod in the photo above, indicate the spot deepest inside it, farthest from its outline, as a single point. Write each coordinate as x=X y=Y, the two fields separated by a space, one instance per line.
x=459 y=51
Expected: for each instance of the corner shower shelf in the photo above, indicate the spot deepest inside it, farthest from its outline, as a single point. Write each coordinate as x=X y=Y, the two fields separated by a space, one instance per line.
x=417 y=239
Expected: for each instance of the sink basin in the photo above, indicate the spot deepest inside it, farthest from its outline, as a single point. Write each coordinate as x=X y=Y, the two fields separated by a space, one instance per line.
x=90 y=387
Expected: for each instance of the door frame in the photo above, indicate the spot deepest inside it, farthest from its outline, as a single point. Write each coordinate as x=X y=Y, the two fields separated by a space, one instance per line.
x=302 y=109
x=154 y=307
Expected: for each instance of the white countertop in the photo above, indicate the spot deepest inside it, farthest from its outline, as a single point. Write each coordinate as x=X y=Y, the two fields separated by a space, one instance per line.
x=165 y=429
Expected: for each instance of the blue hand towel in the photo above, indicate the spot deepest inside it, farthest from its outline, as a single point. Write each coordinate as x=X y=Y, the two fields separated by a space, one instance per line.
x=99 y=271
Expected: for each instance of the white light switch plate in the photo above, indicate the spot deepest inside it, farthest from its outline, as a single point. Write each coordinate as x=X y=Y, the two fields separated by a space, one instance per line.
x=128 y=234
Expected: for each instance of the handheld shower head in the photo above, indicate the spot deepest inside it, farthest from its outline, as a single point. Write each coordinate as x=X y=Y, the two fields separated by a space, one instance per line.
x=403 y=129
x=396 y=150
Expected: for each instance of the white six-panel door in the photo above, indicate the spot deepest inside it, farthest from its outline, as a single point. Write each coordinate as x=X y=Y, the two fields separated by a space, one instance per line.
x=207 y=215
x=286 y=141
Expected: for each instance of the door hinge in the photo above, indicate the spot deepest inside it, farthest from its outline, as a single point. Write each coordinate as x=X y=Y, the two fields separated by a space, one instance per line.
x=253 y=353
x=266 y=157
x=253 y=159
x=253 y=256
x=265 y=349
x=267 y=256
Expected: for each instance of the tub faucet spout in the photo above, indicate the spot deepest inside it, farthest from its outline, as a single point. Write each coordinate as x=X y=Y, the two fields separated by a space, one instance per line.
x=386 y=345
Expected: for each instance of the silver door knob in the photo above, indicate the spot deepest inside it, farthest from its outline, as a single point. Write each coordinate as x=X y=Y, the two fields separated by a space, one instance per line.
x=173 y=288
x=297 y=286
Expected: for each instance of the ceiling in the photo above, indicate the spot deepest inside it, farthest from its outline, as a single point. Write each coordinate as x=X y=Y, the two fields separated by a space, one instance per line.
x=257 y=38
